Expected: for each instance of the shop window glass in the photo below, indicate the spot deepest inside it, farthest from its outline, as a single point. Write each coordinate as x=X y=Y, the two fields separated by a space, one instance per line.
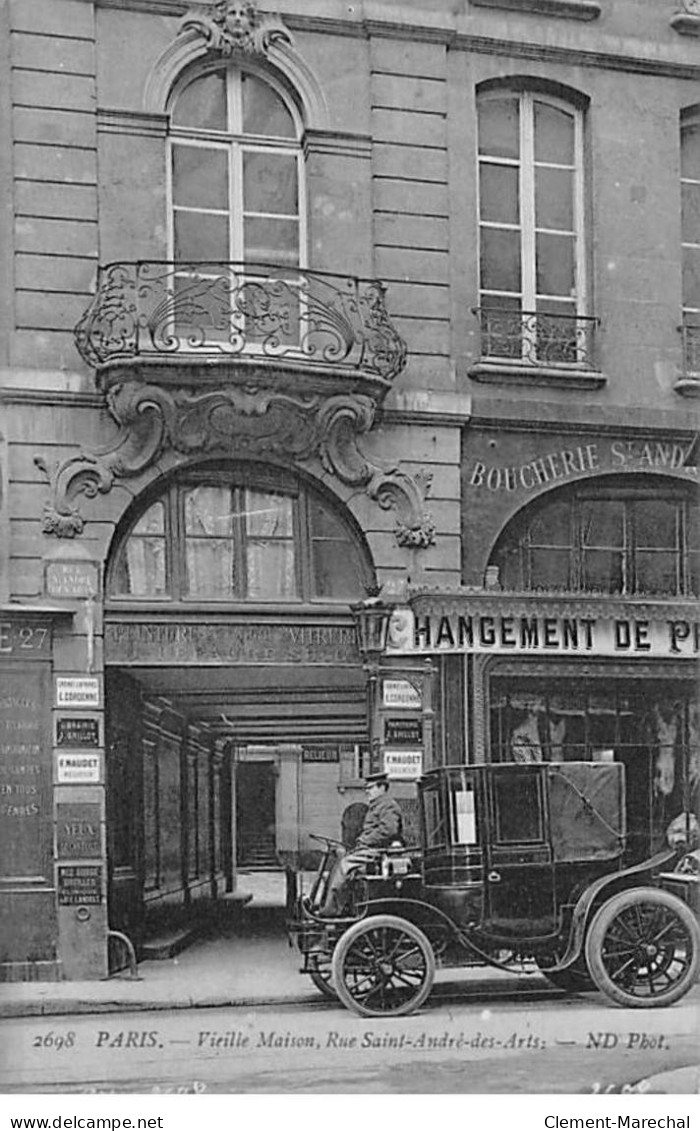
x=606 y=544
x=552 y=527
x=650 y=726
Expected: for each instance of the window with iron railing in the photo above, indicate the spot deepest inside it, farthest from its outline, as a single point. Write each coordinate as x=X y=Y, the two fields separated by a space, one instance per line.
x=532 y=298
x=236 y=195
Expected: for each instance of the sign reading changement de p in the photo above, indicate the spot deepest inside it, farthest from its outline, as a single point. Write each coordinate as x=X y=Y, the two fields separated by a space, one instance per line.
x=77 y=691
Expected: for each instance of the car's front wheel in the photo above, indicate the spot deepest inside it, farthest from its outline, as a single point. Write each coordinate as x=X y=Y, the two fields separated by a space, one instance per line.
x=319 y=970
x=383 y=966
x=643 y=948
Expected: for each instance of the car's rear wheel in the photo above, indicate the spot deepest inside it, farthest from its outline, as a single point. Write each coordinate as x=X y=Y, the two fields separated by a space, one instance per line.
x=643 y=948
x=319 y=970
x=383 y=966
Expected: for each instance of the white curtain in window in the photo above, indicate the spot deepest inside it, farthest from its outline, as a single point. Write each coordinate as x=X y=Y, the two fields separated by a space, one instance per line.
x=270 y=546
x=209 y=538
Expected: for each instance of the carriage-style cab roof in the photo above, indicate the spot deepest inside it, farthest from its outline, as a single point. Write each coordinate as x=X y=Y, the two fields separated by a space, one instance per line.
x=577 y=809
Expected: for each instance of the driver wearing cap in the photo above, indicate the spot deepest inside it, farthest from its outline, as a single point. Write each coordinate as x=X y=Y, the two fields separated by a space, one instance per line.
x=381 y=828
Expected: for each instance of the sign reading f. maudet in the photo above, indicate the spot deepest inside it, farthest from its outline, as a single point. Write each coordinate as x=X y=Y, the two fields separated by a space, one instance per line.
x=516 y=626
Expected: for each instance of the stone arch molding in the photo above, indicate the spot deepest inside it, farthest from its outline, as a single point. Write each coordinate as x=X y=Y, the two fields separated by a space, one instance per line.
x=240 y=420
x=229 y=29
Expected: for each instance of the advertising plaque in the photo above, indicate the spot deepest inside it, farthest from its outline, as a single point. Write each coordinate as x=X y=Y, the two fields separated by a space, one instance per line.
x=320 y=753
x=78 y=830
x=77 y=691
x=25 y=768
x=75 y=579
x=79 y=884
x=77 y=732
x=400 y=693
x=78 y=769
x=403 y=764
x=403 y=732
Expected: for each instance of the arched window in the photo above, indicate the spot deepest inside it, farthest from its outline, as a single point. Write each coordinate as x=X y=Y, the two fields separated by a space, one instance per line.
x=219 y=537
x=531 y=223
x=617 y=538
x=235 y=168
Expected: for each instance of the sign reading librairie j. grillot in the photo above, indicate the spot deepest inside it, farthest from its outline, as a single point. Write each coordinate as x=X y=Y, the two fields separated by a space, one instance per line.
x=542 y=632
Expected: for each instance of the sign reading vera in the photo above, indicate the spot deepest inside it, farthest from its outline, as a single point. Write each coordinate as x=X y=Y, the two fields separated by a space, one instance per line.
x=78 y=830
x=544 y=633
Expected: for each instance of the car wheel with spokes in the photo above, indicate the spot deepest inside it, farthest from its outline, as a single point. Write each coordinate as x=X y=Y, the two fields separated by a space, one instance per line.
x=319 y=970
x=643 y=948
x=383 y=966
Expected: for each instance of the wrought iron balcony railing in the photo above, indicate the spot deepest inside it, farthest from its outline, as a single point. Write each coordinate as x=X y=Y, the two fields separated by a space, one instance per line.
x=536 y=338
x=154 y=310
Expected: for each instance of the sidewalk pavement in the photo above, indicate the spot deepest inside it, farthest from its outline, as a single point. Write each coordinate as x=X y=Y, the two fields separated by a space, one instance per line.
x=248 y=961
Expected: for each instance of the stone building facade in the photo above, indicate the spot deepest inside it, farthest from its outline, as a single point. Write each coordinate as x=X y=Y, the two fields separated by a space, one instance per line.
x=349 y=363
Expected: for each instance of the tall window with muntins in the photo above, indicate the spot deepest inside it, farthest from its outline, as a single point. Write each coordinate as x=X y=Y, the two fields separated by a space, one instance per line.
x=532 y=256
x=690 y=227
x=618 y=541
x=236 y=198
x=218 y=540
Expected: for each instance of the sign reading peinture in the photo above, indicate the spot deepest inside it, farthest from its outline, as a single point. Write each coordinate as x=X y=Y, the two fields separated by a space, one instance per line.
x=77 y=691
x=77 y=769
x=197 y=643
x=543 y=634
x=403 y=764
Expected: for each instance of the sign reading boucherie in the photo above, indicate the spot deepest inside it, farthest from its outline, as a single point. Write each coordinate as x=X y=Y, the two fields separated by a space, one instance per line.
x=543 y=632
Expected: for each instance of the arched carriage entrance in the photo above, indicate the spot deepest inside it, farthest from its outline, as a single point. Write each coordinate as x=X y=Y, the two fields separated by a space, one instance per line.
x=234 y=692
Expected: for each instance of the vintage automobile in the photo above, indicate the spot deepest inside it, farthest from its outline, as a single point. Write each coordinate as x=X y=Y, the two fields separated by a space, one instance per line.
x=521 y=866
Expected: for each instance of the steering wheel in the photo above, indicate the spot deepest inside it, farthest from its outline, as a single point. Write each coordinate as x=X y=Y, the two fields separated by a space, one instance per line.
x=326 y=839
